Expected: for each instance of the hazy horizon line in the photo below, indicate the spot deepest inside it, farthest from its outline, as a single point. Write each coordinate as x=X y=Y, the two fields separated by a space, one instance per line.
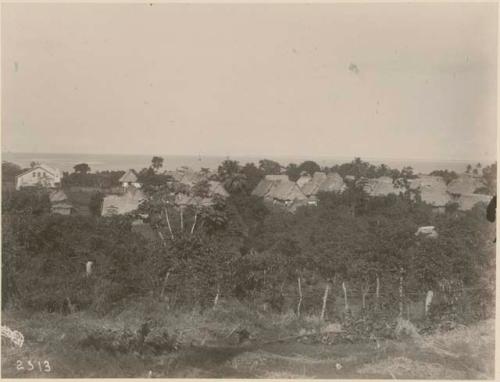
x=261 y=156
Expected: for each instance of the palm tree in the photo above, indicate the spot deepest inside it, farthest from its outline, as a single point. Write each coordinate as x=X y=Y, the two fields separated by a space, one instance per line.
x=235 y=183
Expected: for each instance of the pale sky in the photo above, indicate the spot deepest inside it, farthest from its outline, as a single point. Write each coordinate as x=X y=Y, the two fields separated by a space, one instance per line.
x=369 y=80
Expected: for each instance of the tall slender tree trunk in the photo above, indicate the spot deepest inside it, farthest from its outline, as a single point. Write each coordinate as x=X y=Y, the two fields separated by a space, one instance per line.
x=346 y=305
x=428 y=301
x=300 y=297
x=194 y=223
x=364 y=292
x=165 y=280
x=325 y=298
x=216 y=299
x=162 y=238
x=168 y=223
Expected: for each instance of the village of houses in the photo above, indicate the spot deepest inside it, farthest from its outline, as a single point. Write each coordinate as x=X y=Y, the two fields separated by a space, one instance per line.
x=276 y=190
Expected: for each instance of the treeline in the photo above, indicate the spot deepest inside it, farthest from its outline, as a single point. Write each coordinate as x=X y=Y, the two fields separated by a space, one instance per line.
x=240 y=248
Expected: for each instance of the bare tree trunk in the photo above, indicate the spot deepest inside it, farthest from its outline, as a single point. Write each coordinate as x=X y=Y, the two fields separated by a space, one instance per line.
x=325 y=298
x=162 y=238
x=216 y=299
x=168 y=223
x=300 y=297
x=377 y=293
x=401 y=292
x=364 y=292
x=346 y=305
x=165 y=280
x=428 y=301
x=194 y=223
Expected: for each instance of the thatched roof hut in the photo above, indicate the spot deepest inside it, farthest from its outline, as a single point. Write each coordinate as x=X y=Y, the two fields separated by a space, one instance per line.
x=432 y=189
x=467 y=202
x=332 y=183
x=382 y=186
x=312 y=187
x=124 y=203
x=129 y=177
x=465 y=184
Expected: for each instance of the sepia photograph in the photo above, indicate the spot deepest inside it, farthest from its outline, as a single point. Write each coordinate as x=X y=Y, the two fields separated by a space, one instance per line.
x=249 y=190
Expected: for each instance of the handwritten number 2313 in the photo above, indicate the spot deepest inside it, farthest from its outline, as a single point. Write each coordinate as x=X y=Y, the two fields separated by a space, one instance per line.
x=42 y=366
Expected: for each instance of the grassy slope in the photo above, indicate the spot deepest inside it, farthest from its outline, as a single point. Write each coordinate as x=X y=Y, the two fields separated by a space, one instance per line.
x=465 y=353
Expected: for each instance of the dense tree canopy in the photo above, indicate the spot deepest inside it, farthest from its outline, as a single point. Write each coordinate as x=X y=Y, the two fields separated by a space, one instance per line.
x=82 y=168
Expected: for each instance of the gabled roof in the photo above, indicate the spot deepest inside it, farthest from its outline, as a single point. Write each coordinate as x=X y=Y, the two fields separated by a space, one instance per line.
x=281 y=189
x=432 y=190
x=465 y=184
x=58 y=196
x=122 y=204
x=190 y=178
x=216 y=188
x=332 y=183
x=467 y=201
x=263 y=188
x=312 y=187
x=50 y=170
x=382 y=186
x=303 y=180
x=129 y=177
x=430 y=182
x=286 y=190
x=435 y=197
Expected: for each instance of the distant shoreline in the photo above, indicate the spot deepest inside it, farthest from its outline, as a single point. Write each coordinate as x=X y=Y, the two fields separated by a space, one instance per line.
x=102 y=162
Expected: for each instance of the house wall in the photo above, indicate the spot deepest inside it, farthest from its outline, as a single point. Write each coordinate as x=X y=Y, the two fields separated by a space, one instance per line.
x=37 y=176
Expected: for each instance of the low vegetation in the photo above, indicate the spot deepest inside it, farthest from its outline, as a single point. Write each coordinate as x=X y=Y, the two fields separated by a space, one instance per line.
x=213 y=273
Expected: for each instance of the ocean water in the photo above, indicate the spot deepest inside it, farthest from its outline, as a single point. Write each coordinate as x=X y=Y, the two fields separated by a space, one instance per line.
x=100 y=162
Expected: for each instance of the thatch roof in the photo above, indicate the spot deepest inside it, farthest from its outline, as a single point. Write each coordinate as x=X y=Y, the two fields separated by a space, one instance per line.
x=58 y=196
x=263 y=188
x=286 y=191
x=467 y=201
x=216 y=188
x=129 y=177
x=312 y=187
x=332 y=183
x=432 y=189
x=303 y=180
x=382 y=186
x=281 y=189
x=277 y=177
x=465 y=184
x=122 y=204
x=190 y=178
x=435 y=198
x=431 y=182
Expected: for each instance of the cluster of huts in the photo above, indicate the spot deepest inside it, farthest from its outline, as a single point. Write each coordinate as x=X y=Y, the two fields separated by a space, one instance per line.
x=280 y=190
x=466 y=191
x=129 y=195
